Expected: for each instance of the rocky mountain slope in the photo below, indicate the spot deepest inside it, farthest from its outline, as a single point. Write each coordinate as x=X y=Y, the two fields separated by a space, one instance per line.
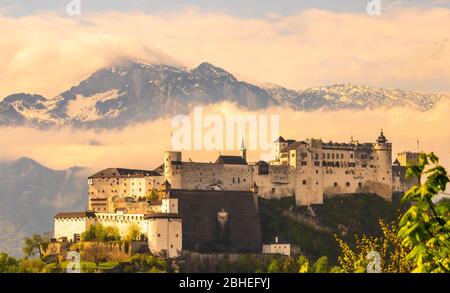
x=132 y=91
x=31 y=194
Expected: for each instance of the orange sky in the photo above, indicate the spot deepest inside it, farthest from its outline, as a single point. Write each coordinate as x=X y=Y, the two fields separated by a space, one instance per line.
x=407 y=48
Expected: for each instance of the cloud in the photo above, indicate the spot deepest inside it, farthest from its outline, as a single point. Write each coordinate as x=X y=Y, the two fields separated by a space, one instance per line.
x=404 y=47
x=142 y=145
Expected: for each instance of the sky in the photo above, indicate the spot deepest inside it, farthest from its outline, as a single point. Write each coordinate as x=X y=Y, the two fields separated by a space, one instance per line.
x=296 y=44
x=290 y=43
x=241 y=8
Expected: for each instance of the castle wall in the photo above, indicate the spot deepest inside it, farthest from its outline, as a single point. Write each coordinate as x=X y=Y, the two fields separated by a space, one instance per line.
x=108 y=187
x=189 y=175
x=122 y=221
x=276 y=184
x=68 y=227
x=165 y=236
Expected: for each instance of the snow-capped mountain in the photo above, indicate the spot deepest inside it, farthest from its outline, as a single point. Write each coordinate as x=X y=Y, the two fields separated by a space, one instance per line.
x=132 y=91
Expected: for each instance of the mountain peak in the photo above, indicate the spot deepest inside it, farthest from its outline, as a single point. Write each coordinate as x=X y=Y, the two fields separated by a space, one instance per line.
x=207 y=69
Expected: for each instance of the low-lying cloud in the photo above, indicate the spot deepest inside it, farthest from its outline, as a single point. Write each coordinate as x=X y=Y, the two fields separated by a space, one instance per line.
x=142 y=145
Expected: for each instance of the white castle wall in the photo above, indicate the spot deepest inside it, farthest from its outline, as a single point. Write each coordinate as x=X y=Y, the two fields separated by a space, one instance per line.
x=165 y=236
x=68 y=227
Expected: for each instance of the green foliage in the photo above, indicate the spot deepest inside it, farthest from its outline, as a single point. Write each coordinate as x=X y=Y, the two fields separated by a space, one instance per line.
x=389 y=247
x=98 y=232
x=426 y=224
x=274 y=267
x=54 y=267
x=8 y=264
x=345 y=216
x=134 y=232
x=146 y=264
x=321 y=265
x=153 y=195
x=94 y=233
x=35 y=245
x=112 y=233
x=32 y=265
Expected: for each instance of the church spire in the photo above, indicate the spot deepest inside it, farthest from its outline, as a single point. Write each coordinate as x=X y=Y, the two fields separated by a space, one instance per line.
x=243 y=149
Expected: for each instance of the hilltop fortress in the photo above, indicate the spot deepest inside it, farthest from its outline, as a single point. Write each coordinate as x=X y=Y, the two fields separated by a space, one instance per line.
x=173 y=201
x=308 y=170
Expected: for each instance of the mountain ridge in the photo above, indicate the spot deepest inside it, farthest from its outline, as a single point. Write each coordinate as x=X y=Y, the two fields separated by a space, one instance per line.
x=131 y=91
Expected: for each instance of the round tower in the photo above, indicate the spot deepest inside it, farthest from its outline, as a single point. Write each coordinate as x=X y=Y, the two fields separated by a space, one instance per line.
x=172 y=161
x=383 y=163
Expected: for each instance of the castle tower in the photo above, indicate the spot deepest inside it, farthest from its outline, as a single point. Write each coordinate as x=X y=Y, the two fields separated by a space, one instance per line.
x=172 y=173
x=243 y=150
x=279 y=144
x=383 y=163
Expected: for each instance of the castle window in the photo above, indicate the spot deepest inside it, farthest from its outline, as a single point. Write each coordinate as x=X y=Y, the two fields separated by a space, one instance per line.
x=171 y=246
x=335 y=184
x=317 y=171
x=273 y=189
x=342 y=156
x=359 y=184
x=233 y=179
x=159 y=235
x=347 y=184
x=332 y=156
x=363 y=157
x=316 y=163
x=243 y=179
x=317 y=183
x=351 y=156
x=303 y=163
x=239 y=180
x=304 y=182
x=383 y=178
x=323 y=155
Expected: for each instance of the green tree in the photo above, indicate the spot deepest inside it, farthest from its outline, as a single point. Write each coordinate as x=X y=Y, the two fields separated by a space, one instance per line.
x=426 y=224
x=112 y=233
x=321 y=265
x=304 y=266
x=153 y=195
x=8 y=264
x=37 y=244
x=392 y=253
x=31 y=265
x=134 y=232
x=273 y=266
x=94 y=233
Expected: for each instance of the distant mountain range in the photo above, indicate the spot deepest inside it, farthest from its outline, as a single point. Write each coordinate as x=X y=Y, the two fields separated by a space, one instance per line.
x=31 y=194
x=132 y=91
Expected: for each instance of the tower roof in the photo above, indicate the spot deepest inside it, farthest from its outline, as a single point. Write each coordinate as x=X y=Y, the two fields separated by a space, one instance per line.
x=232 y=160
x=243 y=144
x=381 y=137
x=280 y=139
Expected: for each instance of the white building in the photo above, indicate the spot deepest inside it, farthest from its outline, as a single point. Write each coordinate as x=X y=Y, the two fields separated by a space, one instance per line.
x=163 y=230
x=278 y=247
